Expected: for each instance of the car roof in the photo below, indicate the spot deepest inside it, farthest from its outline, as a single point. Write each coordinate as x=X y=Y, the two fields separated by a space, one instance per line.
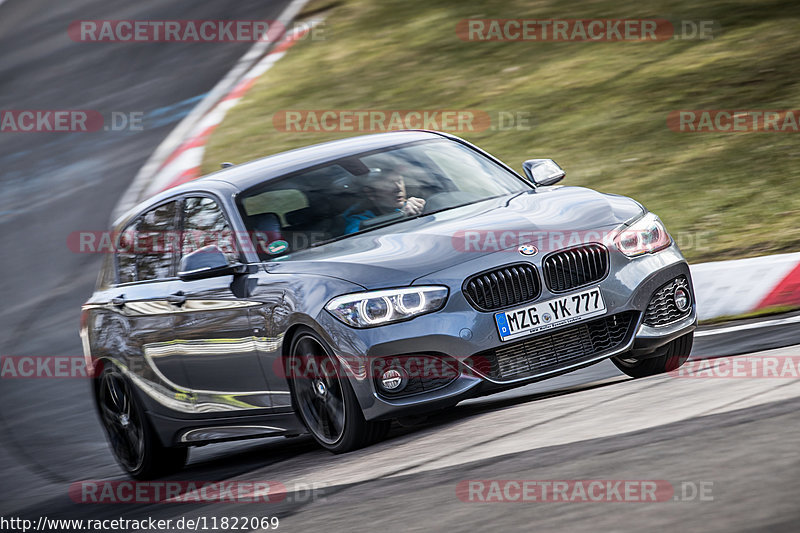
x=252 y=173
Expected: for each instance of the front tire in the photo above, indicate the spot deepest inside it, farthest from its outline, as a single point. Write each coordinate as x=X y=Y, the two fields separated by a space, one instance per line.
x=133 y=441
x=324 y=399
x=671 y=357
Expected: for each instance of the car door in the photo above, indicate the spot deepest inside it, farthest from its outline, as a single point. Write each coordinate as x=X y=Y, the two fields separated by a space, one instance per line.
x=135 y=315
x=213 y=330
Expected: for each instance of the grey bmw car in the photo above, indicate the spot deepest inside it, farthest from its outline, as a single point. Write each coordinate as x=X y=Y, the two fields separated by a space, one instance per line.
x=331 y=289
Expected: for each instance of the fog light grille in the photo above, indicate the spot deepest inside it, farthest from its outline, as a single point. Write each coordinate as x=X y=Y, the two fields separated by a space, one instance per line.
x=662 y=310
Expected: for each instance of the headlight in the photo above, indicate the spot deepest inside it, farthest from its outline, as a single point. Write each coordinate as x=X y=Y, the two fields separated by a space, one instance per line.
x=375 y=308
x=646 y=235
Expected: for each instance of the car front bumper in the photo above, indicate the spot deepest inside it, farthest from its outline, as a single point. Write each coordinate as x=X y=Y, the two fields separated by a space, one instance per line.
x=458 y=332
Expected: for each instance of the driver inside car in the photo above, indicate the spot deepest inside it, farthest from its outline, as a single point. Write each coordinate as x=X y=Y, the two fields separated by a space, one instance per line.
x=384 y=192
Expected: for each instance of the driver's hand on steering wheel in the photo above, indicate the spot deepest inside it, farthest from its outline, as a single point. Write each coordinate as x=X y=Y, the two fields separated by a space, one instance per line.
x=413 y=206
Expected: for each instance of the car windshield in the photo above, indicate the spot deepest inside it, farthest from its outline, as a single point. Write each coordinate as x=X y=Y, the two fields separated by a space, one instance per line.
x=366 y=191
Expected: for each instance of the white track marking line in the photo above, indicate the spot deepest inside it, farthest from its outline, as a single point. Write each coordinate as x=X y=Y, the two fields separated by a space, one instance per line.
x=754 y=325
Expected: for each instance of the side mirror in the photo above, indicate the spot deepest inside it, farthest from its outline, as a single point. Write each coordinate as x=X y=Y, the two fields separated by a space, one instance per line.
x=543 y=171
x=207 y=262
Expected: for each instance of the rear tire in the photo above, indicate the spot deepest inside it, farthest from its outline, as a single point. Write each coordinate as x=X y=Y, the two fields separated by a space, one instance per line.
x=133 y=441
x=672 y=356
x=324 y=399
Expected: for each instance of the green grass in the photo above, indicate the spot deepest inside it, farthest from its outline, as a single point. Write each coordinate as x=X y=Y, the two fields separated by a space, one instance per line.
x=599 y=109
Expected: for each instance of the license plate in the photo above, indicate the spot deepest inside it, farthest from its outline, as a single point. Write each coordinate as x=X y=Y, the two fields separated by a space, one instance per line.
x=550 y=314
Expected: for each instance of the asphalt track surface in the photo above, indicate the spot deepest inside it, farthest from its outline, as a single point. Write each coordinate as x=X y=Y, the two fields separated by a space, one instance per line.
x=741 y=435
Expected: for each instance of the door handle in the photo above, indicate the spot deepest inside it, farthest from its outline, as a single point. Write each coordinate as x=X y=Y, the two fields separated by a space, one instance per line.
x=177 y=298
x=119 y=301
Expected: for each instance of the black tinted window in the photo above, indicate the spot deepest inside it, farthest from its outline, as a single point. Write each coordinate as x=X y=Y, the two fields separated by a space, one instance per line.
x=148 y=246
x=156 y=243
x=205 y=224
x=126 y=259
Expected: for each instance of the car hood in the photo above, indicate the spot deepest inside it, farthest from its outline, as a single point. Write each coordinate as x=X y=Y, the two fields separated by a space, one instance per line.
x=396 y=255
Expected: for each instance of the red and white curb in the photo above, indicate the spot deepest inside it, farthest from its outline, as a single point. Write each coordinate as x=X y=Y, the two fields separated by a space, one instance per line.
x=740 y=286
x=183 y=164
x=722 y=288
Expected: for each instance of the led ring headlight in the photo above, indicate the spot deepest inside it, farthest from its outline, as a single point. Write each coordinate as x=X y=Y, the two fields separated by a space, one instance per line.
x=368 y=315
x=376 y=308
x=411 y=310
x=645 y=236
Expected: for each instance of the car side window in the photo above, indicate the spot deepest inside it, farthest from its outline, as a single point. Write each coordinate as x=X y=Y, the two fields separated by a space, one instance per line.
x=147 y=248
x=156 y=243
x=126 y=258
x=205 y=224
